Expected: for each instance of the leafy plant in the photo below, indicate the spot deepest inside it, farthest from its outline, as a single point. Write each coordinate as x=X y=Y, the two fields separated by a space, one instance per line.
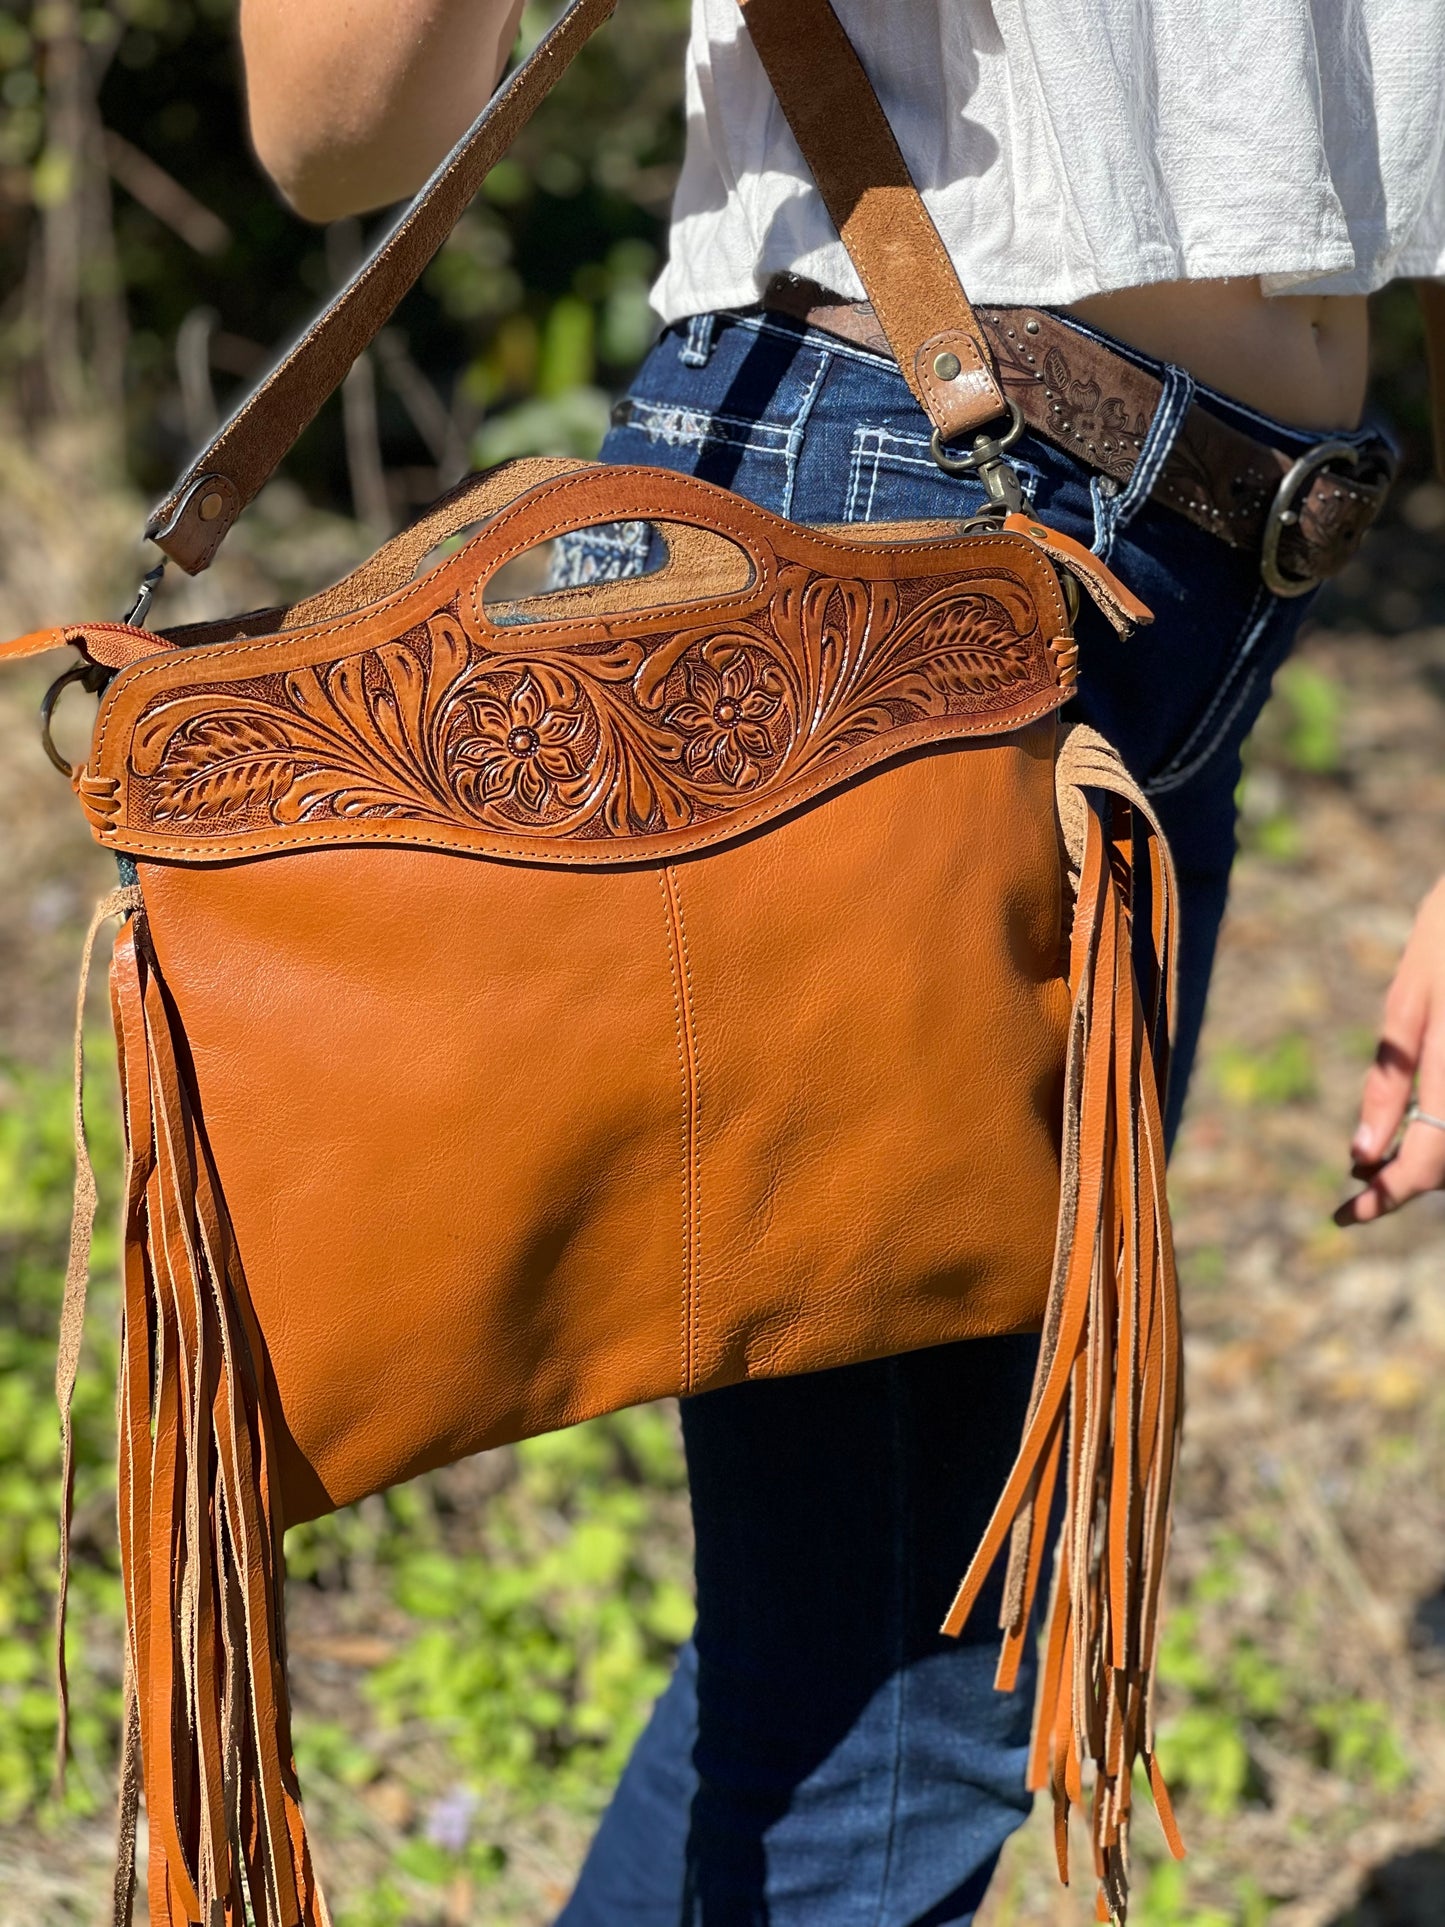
x=1165 y=1902
x=538 y=1657
x=1227 y=1690
x=1359 y=1742
x=123 y=150
x=1310 y=705
x=36 y=1168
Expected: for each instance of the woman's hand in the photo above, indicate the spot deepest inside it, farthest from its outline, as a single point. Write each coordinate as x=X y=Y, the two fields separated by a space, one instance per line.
x=353 y=102
x=1412 y=1044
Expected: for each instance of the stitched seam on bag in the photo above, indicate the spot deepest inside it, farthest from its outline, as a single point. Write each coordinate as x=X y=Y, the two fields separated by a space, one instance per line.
x=733 y=826
x=689 y=1009
x=687 y=1067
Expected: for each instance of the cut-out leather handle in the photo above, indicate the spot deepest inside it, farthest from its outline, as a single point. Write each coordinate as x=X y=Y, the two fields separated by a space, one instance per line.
x=709 y=561
x=846 y=140
x=474 y=499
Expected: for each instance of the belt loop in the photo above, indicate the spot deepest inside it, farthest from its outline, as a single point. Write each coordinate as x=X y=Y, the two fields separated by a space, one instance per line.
x=1115 y=508
x=696 y=351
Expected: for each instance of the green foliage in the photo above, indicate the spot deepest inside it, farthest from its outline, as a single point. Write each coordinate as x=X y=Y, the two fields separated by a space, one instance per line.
x=1228 y=1692
x=1359 y=1743
x=36 y=1173
x=1298 y=735
x=1281 y=1073
x=537 y=1655
x=536 y=308
x=1310 y=705
x=1164 y=1902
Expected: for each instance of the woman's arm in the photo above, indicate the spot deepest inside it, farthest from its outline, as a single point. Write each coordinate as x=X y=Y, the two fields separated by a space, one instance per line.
x=1412 y=1034
x=353 y=102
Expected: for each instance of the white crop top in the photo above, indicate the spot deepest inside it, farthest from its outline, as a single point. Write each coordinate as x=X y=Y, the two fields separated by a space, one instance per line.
x=1068 y=147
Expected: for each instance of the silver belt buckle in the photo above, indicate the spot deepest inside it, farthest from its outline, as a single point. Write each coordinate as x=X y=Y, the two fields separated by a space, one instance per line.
x=1284 y=514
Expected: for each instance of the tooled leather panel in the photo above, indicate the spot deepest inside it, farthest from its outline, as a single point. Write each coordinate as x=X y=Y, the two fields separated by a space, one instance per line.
x=573 y=742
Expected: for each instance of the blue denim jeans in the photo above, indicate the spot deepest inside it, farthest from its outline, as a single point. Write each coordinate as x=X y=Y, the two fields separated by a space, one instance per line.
x=823 y=1757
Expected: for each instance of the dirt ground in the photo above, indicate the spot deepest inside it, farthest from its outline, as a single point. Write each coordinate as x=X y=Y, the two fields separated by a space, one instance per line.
x=1311 y=1529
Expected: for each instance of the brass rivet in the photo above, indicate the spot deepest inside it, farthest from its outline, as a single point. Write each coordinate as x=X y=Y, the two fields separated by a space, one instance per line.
x=947 y=366
x=211 y=506
x=1031 y=327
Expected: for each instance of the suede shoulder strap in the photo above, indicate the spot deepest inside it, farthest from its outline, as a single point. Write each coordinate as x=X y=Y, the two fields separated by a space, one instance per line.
x=845 y=139
x=839 y=123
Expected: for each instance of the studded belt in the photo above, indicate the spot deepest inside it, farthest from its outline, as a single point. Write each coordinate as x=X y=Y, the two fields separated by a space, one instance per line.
x=1305 y=515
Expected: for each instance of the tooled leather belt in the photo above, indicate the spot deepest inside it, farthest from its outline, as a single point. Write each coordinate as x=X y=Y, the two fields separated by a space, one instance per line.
x=1304 y=516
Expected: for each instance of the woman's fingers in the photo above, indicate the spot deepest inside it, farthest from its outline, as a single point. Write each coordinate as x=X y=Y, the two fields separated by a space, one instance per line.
x=1412 y=1044
x=1401 y=1045
x=1418 y=1166
x=1388 y=1087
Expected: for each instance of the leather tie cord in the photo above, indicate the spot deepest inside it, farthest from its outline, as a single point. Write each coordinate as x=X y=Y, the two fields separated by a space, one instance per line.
x=72 y=1313
x=128 y=1801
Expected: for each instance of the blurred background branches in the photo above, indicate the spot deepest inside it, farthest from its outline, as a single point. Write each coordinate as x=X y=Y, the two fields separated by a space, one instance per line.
x=148 y=272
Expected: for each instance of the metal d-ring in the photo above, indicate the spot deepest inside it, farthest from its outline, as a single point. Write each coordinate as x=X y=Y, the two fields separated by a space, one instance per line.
x=986 y=448
x=94 y=675
x=91 y=676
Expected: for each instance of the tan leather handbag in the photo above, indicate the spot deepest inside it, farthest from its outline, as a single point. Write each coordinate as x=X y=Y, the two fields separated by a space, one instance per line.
x=527 y=1007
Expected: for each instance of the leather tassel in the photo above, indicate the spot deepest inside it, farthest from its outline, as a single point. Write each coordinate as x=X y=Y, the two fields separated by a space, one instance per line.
x=207 y=1719
x=1107 y=1400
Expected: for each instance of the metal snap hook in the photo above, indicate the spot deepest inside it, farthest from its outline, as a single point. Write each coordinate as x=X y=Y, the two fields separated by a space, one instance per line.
x=986 y=448
x=987 y=460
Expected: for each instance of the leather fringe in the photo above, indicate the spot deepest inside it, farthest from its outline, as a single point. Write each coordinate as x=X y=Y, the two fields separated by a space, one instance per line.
x=1107 y=1400
x=207 y=1720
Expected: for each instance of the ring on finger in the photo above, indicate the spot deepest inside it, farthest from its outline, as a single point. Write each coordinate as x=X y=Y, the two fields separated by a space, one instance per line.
x=1416 y=1116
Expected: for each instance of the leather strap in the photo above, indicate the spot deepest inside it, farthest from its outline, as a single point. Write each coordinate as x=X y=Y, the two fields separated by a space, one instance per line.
x=845 y=138
x=195 y=518
x=1098 y=405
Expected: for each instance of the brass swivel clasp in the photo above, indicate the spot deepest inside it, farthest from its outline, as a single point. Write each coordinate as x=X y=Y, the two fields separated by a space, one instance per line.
x=987 y=460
